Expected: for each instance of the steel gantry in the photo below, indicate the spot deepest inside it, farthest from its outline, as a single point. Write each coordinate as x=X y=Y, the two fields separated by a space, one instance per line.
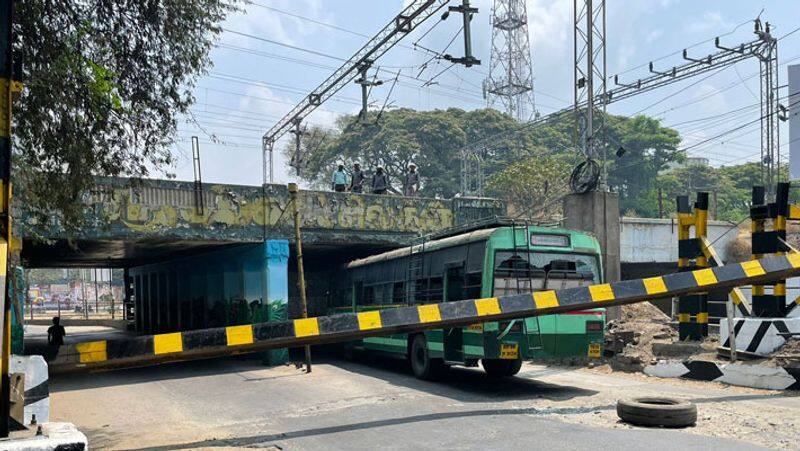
x=417 y=12
x=590 y=86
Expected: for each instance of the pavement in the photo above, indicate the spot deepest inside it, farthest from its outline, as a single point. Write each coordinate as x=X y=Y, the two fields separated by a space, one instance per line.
x=372 y=403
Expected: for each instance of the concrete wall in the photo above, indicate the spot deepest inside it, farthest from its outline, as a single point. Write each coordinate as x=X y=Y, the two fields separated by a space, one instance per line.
x=645 y=240
x=161 y=209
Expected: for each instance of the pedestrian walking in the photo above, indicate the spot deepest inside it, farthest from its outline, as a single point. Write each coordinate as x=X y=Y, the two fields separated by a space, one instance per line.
x=357 y=179
x=411 y=181
x=380 y=181
x=339 y=179
x=55 y=338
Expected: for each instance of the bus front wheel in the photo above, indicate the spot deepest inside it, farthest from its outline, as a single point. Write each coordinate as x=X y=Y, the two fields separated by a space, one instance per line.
x=423 y=366
x=501 y=367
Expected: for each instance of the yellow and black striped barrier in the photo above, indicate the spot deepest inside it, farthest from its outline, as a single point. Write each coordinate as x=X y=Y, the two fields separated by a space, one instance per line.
x=769 y=301
x=692 y=308
x=146 y=350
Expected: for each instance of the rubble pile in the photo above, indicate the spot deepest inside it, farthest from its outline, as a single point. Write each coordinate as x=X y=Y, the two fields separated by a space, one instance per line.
x=641 y=325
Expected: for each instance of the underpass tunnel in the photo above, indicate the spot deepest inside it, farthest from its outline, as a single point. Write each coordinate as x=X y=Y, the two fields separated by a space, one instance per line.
x=171 y=286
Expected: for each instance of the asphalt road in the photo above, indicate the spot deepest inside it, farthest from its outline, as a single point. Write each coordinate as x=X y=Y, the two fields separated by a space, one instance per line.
x=376 y=403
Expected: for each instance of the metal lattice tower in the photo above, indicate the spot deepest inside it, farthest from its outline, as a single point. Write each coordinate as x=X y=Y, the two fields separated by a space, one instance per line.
x=510 y=83
x=770 y=139
x=590 y=74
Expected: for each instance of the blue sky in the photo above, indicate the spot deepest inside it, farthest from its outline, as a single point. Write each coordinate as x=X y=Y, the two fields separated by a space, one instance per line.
x=253 y=83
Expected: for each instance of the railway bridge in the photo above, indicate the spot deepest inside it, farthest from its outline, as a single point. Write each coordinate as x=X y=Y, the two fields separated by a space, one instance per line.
x=217 y=255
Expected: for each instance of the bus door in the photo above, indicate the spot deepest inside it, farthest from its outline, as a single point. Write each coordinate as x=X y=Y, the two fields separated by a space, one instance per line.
x=454 y=291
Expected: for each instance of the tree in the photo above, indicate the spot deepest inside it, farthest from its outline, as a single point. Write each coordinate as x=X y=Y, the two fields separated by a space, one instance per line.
x=104 y=82
x=434 y=139
x=648 y=149
x=534 y=187
x=731 y=186
x=431 y=139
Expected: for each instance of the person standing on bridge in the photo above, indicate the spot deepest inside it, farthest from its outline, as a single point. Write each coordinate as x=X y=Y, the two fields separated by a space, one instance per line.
x=357 y=179
x=339 y=179
x=380 y=181
x=411 y=182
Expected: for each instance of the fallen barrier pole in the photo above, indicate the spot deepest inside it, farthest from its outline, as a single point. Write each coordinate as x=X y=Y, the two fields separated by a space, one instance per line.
x=205 y=343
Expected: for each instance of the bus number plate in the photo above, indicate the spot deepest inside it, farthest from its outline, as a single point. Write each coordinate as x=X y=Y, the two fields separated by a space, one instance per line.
x=475 y=327
x=594 y=350
x=510 y=352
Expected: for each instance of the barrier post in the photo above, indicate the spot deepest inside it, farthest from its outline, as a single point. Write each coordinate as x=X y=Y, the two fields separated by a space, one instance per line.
x=701 y=232
x=758 y=214
x=688 y=250
x=766 y=242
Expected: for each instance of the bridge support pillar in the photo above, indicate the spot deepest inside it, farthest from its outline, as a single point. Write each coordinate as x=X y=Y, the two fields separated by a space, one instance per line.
x=597 y=212
x=234 y=286
x=276 y=291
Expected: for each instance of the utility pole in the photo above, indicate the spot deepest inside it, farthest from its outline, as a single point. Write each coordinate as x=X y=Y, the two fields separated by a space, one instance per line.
x=770 y=136
x=466 y=11
x=298 y=133
x=198 y=177
x=590 y=77
x=96 y=298
x=366 y=85
x=83 y=290
x=267 y=146
x=301 y=278
x=510 y=81
x=7 y=87
x=111 y=289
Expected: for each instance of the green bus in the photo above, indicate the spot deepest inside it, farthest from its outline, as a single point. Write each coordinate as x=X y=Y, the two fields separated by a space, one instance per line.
x=484 y=262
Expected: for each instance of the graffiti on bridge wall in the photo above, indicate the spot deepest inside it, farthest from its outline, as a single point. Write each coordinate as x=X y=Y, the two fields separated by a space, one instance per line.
x=247 y=212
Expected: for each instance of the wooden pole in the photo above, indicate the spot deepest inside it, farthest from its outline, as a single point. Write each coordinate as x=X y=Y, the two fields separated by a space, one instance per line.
x=301 y=279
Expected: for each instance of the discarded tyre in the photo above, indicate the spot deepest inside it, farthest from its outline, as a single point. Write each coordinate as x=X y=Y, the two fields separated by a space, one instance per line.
x=663 y=412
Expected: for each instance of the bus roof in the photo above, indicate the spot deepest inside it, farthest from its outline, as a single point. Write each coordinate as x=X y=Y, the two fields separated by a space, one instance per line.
x=477 y=235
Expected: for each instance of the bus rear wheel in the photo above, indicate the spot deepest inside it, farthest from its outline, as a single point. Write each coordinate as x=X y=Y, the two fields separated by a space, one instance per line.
x=423 y=366
x=501 y=367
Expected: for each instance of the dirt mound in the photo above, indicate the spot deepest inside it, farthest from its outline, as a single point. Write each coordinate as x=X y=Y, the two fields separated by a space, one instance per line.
x=789 y=353
x=648 y=325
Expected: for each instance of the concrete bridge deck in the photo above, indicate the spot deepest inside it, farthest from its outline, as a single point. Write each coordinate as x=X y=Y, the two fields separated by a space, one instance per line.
x=134 y=223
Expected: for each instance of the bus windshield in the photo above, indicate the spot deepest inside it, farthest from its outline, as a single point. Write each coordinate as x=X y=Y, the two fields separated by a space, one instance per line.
x=523 y=271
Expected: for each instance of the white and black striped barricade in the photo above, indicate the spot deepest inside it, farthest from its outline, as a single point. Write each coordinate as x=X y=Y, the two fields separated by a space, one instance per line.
x=760 y=336
x=743 y=375
x=203 y=343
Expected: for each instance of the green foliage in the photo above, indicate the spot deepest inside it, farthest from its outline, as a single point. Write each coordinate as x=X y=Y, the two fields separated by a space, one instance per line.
x=434 y=139
x=104 y=81
x=430 y=139
x=533 y=187
x=731 y=186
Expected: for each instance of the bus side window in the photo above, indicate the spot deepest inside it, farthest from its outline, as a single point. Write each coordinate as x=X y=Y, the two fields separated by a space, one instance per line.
x=358 y=293
x=472 y=288
x=435 y=290
x=369 y=295
x=399 y=293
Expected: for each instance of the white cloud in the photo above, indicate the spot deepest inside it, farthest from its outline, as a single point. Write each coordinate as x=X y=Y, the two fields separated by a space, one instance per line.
x=273 y=25
x=624 y=54
x=653 y=35
x=713 y=101
x=709 y=22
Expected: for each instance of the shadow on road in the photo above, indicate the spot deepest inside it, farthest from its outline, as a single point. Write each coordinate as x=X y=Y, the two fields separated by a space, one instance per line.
x=266 y=439
x=167 y=371
x=461 y=384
